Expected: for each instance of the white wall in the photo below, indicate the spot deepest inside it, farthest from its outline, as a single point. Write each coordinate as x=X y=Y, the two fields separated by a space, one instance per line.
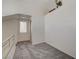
x=9 y=27
x=36 y=8
x=60 y=27
x=38 y=29
x=28 y=7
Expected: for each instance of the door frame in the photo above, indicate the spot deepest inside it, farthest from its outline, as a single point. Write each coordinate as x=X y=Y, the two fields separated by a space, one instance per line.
x=24 y=18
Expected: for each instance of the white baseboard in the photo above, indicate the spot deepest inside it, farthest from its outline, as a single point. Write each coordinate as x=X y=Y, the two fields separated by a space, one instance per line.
x=37 y=43
x=59 y=49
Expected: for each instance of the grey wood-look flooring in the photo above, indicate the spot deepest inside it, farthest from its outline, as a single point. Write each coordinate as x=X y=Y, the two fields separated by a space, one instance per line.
x=24 y=50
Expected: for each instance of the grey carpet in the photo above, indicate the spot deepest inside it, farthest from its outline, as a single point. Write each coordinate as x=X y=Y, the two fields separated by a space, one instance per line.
x=25 y=50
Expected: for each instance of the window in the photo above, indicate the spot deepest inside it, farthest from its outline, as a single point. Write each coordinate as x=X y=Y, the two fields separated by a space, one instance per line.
x=23 y=27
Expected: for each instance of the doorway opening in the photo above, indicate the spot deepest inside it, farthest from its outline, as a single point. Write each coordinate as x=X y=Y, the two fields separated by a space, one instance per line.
x=24 y=29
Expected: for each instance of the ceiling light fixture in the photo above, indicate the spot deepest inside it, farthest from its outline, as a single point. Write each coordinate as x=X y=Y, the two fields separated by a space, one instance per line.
x=58 y=3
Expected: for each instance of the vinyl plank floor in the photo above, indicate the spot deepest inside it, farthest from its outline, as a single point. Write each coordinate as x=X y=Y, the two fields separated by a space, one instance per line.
x=24 y=50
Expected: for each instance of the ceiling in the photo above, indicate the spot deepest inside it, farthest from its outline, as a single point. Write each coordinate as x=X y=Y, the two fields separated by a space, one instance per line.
x=30 y=7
